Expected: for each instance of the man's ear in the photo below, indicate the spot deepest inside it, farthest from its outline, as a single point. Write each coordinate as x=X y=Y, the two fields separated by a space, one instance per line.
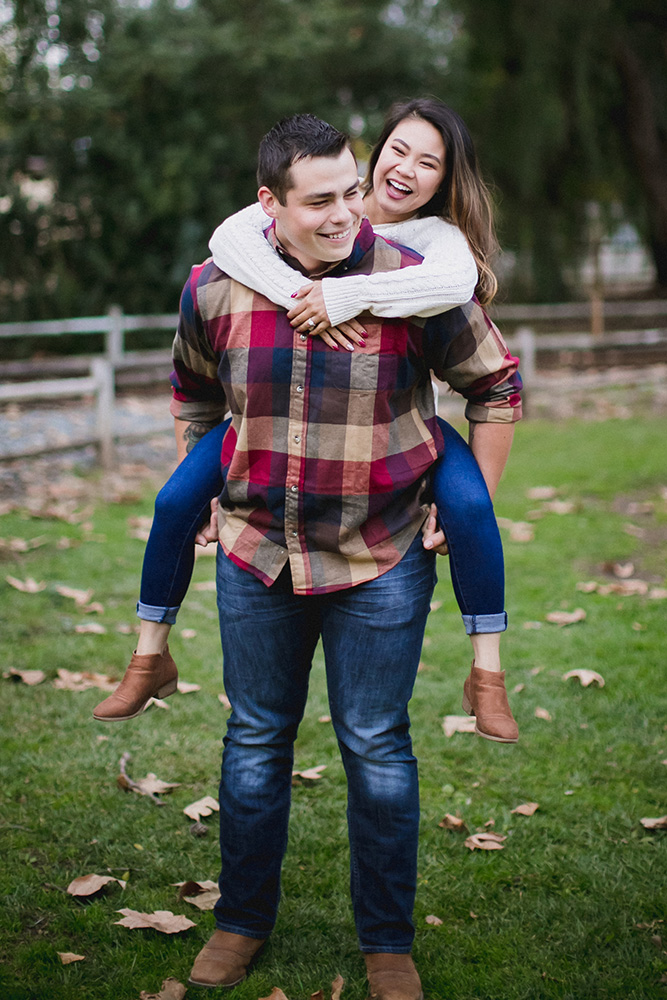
x=268 y=201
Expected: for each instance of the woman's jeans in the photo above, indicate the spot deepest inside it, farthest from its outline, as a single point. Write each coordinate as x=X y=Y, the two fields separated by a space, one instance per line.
x=372 y=637
x=464 y=507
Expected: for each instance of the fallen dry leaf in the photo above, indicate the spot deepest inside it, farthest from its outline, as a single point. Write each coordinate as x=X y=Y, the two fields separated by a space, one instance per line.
x=657 y=823
x=324 y=718
x=657 y=593
x=140 y=527
x=532 y=625
x=90 y=628
x=518 y=688
x=541 y=713
x=337 y=987
x=585 y=677
x=23 y=544
x=202 y=807
x=433 y=920
x=541 y=492
x=188 y=633
x=587 y=586
x=185 y=687
x=88 y=885
x=225 y=702
x=559 y=506
x=622 y=570
x=29 y=677
x=449 y=822
x=485 y=842
x=520 y=531
x=435 y=605
x=203 y=895
x=633 y=530
x=161 y=920
x=275 y=994
x=205 y=585
x=310 y=774
x=566 y=617
x=72 y=680
x=27 y=586
x=152 y=785
x=626 y=588
x=80 y=597
x=526 y=809
x=67 y=957
x=458 y=724
x=171 y=990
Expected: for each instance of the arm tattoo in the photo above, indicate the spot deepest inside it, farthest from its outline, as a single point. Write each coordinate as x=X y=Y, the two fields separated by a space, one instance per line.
x=193 y=433
x=471 y=432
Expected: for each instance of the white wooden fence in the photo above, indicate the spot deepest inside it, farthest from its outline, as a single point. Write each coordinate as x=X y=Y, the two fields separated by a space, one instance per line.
x=644 y=324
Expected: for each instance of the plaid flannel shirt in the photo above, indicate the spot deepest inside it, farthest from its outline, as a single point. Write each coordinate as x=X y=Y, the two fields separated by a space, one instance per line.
x=326 y=461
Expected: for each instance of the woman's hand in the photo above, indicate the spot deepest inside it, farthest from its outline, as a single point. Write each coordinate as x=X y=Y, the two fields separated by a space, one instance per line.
x=433 y=538
x=310 y=316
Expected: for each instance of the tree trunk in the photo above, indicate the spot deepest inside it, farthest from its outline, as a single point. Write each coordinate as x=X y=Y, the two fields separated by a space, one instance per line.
x=649 y=150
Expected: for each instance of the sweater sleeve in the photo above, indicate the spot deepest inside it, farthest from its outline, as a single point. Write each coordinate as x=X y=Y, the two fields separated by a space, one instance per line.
x=446 y=277
x=240 y=249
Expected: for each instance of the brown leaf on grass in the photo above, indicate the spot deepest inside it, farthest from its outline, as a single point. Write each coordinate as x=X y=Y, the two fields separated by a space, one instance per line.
x=541 y=492
x=90 y=628
x=433 y=920
x=435 y=605
x=657 y=594
x=458 y=724
x=337 y=987
x=185 y=687
x=654 y=823
x=151 y=786
x=526 y=809
x=171 y=990
x=161 y=920
x=203 y=895
x=566 y=617
x=621 y=570
x=202 y=807
x=324 y=718
x=626 y=588
x=449 y=822
x=27 y=586
x=88 y=885
x=518 y=688
x=587 y=586
x=485 y=842
x=541 y=713
x=532 y=625
x=205 y=585
x=225 y=702
x=23 y=544
x=310 y=774
x=520 y=531
x=188 y=633
x=79 y=597
x=67 y=957
x=275 y=994
x=585 y=677
x=72 y=680
x=29 y=677
x=140 y=527
x=559 y=506
x=633 y=530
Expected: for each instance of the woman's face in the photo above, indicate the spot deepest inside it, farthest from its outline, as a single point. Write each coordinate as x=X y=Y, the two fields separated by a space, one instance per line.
x=409 y=171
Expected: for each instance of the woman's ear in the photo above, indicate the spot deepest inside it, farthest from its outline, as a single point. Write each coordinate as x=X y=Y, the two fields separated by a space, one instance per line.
x=268 y=201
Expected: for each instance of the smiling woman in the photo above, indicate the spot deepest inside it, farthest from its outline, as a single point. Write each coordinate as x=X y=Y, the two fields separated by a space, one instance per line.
x=409 y=172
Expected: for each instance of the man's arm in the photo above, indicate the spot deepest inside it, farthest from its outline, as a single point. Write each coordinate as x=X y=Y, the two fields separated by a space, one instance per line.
x=187 y=433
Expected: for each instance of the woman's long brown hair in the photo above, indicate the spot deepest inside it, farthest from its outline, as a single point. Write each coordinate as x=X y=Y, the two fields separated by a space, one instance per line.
x=463 y=197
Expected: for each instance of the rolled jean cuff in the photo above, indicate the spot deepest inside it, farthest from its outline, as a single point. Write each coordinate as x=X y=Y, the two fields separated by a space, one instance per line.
x=476 y=624
x=148 y=613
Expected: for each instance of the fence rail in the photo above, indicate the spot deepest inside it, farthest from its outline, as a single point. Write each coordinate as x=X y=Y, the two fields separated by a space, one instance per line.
x=645 y=322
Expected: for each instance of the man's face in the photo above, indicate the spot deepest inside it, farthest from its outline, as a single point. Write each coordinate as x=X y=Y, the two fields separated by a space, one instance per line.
x=322 y=215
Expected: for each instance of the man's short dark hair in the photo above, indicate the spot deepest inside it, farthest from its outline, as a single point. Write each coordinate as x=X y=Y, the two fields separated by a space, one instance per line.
x=291 y=140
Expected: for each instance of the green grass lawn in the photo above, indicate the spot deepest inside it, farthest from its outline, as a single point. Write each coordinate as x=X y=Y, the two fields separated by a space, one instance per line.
x=572 y=907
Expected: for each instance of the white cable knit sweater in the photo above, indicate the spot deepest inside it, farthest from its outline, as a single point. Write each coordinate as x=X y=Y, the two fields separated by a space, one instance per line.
x=446 y=277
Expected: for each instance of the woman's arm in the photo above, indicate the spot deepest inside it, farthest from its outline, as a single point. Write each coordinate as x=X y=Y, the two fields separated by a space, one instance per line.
x=240 y=249
x=446 y=277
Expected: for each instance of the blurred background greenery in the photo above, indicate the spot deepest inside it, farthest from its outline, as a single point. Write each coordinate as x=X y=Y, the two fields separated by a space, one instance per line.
x=129 y=128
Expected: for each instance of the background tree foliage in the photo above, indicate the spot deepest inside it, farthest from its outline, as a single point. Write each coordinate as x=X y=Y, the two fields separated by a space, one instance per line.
x=129 y=128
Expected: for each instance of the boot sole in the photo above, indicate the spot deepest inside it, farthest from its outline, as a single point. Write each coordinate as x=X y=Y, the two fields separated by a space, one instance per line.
x=467 y=708
x=162 y=692
x=215 y=986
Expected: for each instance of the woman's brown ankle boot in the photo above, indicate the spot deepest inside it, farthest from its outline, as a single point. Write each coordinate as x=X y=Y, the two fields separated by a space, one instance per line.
x=485 y=697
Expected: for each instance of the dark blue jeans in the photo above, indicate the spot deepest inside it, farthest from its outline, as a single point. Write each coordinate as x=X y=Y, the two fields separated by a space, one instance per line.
x=372 y=637
x=464 y=507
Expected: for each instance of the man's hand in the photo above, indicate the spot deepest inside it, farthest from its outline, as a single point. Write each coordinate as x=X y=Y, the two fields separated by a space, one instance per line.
x=209 y=532
x=310 y=316
x=433 y=538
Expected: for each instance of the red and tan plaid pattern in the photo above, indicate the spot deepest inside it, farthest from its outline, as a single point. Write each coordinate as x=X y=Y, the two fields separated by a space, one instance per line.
x=327 y=457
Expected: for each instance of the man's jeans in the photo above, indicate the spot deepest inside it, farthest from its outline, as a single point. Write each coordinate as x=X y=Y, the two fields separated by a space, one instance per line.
x=372 y=636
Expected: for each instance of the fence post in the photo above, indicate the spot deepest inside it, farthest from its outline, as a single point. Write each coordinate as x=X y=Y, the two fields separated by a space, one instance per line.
x=102 y=372
x=526 y=340
x=115 y=338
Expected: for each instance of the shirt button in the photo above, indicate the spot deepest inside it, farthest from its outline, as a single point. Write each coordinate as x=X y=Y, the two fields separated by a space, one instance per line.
x=303 y=336
x=296 y=534
x=297 y=438
x=299 y=388
x=295 y=489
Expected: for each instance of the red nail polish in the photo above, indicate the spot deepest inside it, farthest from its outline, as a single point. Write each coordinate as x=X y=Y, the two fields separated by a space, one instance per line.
x=294 y=295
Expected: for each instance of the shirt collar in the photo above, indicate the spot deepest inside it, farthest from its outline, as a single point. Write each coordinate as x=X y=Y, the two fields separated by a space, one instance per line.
x=362 y=244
